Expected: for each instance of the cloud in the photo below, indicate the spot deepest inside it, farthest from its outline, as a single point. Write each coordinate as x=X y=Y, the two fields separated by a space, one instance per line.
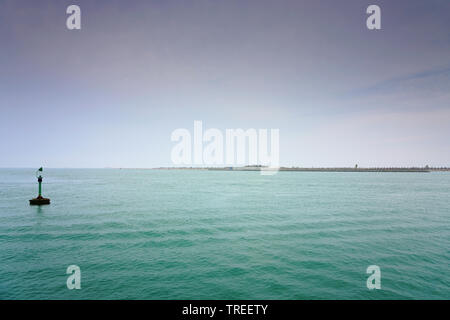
x=437 y=78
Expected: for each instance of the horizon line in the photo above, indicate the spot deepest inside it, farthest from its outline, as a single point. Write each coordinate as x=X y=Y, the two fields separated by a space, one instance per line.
x=243 y=166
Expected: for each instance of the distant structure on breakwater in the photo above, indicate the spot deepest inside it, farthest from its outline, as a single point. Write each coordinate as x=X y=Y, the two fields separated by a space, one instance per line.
x=337 y=169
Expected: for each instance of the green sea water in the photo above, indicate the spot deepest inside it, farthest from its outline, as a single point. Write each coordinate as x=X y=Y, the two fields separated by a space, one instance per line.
x=174 y=234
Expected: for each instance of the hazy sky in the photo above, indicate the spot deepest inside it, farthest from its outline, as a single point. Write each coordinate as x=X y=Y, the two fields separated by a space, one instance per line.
x=110 y=94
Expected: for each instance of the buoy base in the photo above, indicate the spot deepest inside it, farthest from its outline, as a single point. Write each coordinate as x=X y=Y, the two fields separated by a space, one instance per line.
x=39 y=201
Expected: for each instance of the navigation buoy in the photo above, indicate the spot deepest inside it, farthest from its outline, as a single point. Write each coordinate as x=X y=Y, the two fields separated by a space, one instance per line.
x=40 y=200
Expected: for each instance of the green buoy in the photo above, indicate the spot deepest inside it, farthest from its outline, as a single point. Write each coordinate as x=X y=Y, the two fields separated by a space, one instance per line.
x=40 y=200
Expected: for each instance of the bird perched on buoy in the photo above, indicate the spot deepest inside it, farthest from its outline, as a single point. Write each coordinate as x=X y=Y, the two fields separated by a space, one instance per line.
x=40 y=200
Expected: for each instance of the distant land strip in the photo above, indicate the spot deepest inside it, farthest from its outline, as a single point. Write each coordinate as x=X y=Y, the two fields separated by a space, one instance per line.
x=335 y=169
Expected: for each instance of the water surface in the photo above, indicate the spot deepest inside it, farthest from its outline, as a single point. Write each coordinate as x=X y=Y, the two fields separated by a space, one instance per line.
x=166 y=234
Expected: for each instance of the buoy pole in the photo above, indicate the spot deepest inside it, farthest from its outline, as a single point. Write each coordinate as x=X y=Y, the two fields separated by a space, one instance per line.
x=40 y=186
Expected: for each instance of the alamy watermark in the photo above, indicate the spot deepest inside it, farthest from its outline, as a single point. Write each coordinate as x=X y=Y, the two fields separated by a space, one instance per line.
x=73 y=22
x=373 y=22
x=374 y=280
x=234 y=147
x=74 y=280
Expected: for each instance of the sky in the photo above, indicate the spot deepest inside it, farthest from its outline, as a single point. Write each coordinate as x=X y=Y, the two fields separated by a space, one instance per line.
x=111 y=94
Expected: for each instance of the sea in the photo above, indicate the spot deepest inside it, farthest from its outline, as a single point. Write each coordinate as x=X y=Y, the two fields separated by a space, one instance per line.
x=198 y=234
